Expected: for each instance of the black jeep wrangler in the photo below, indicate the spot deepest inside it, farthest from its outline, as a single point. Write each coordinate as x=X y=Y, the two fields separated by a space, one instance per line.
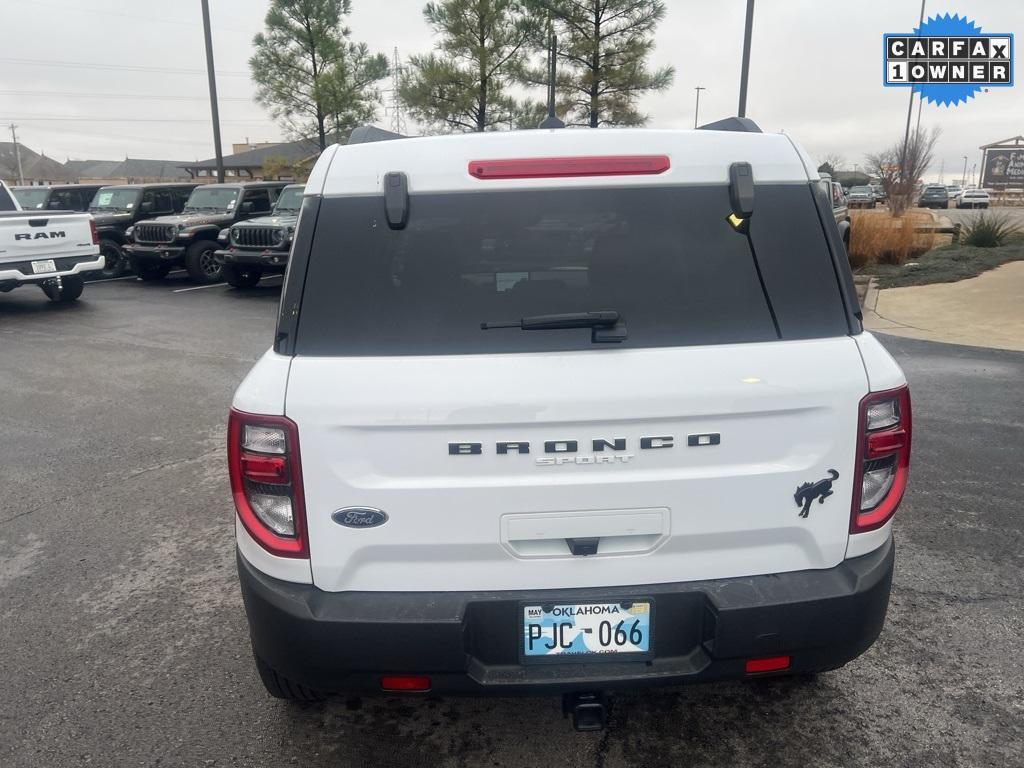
x=261 y=246
x=117 y=209
x=190 y=238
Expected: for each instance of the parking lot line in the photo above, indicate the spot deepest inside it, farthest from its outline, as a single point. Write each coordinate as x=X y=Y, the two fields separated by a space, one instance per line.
x=199 y=287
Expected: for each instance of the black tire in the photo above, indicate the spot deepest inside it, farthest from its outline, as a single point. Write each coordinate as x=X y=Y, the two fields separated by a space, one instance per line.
x=984 y=205
x=70 y=289
x=241 y=277
x=200 y=263
x=151 y=272
x=945 y=206
x=282 y=688
x=115 y=263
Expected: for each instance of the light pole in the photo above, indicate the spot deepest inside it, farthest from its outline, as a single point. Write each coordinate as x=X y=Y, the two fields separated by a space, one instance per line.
x=963 y=178
x=696 y=109
x=748 y=29
x=213 y=91
x=910 y=111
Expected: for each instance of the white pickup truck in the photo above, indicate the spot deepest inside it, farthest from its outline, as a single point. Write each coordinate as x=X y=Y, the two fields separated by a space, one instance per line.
x=51 y=249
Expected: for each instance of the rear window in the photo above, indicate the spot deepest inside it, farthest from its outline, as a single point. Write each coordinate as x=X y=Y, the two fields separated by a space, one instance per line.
x=666 y=258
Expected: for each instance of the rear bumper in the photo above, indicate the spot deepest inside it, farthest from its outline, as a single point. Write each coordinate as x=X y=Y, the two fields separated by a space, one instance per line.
x=20 y=272
x=267 y=259
x=155 y=254
x=468 y=642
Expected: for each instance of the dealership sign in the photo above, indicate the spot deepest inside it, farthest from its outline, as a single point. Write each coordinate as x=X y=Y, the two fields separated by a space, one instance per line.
x=1003 y=166
x=948 y=59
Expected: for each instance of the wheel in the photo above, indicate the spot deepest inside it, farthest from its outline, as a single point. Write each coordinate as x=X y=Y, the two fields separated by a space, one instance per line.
x=241 y=277
x=945 y=206
x=151 y=272
x=200 y=263
x=984 y=205
x=282 y=688
x=70 y=289
x=114 y=264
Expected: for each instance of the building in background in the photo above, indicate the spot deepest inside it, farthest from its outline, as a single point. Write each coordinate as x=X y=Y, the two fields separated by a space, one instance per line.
x=39 y=169
x=290 y=161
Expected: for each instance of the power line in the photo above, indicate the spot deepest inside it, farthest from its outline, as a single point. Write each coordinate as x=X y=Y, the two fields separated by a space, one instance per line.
x=120 y=119
x=118 y=67
x=94 y=12
x=131 y=96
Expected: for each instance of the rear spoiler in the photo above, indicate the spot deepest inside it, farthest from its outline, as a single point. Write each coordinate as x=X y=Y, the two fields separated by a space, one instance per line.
x=741 y=124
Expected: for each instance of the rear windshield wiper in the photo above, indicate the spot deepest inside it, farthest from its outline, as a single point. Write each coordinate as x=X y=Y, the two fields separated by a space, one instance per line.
x=607 y=325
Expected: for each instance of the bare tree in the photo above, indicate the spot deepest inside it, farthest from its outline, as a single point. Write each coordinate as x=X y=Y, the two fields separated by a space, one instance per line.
x=901 y=166
x=831 y=163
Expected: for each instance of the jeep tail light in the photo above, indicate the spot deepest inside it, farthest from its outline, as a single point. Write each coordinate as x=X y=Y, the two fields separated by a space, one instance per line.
x=95 y=232
x=883 y=458
x=266 y=482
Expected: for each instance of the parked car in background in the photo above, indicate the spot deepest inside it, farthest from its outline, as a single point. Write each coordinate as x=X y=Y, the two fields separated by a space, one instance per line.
x=934 y=196
x=861 y=197
x=117 y=208
x=58 y=197
x=973 y=198
x=190 y=238
x=260 y=246
x=841 y=211
x=52 y=250
x=879 y=192
x=954 y=191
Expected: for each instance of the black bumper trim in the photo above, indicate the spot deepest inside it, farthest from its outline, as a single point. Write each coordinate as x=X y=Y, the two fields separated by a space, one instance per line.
x=154 y=254
x=467 y=642
x=264 y=259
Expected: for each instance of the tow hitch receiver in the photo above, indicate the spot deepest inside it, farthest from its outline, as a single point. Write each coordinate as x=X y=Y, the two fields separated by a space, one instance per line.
x=589 y=710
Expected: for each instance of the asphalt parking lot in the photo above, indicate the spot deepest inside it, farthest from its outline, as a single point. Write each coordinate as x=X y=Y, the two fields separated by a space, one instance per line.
x=123 y=639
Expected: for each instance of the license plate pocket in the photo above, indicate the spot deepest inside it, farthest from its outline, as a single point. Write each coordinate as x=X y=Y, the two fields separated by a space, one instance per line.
x=43 y=266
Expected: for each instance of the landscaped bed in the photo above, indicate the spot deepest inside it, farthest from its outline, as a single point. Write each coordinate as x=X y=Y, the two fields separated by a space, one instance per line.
x=946 y=264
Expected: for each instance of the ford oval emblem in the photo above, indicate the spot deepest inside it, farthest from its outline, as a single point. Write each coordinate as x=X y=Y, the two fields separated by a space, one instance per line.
x=359 y=517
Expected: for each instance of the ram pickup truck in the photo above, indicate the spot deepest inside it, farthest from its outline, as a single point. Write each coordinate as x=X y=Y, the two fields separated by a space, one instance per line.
x=190 y=238
x=260 y=246
x=51 y=249
x=118 y=209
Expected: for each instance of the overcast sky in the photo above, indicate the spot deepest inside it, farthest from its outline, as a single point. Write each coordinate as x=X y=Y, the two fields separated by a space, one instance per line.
x=815 y=73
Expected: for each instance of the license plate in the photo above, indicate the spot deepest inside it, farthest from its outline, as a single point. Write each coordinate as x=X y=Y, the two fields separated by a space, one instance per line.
x=586 y=631
x=42 y=266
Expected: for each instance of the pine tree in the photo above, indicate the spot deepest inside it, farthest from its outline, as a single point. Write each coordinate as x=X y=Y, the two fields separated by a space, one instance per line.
x=464 y=85
x=603 y=46
x=309 y=73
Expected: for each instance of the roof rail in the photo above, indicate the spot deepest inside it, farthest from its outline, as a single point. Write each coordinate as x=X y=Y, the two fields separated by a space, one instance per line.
x=742 y=124
x=367 y=133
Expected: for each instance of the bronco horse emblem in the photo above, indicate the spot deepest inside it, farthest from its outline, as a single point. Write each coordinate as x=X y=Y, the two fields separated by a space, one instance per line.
x=808 y=492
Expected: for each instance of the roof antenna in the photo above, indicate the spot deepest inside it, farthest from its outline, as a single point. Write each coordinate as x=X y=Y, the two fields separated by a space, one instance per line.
x=552 y=121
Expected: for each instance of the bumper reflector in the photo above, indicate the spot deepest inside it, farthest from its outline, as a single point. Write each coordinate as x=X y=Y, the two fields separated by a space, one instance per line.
x=770 y=664
x=405 y=683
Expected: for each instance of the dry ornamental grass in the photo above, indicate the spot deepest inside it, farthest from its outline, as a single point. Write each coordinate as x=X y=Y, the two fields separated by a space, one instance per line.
x=878 y=238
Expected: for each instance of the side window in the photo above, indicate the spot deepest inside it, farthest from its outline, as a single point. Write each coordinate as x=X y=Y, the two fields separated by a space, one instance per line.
x=61 y=200
x=180 y=197
x=162 y=201
x=260 y=199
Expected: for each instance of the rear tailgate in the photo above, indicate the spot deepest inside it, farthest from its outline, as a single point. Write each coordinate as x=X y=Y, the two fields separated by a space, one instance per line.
x=376 y=432
x=62 y=237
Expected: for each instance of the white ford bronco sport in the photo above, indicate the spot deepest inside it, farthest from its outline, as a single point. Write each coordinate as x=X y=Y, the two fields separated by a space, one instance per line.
x=565 y=411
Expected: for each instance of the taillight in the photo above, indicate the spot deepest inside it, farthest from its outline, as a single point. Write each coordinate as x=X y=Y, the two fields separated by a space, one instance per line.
x=883 y=458
x=562 y=167
x=94 y=231
x=266 y=482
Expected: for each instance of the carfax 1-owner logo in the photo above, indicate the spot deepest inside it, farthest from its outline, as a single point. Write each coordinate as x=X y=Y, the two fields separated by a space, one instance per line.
x=948 y=59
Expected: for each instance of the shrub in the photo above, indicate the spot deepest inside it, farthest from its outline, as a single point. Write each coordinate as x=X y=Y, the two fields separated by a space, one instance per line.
x=989 y=230
x=877 y=238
